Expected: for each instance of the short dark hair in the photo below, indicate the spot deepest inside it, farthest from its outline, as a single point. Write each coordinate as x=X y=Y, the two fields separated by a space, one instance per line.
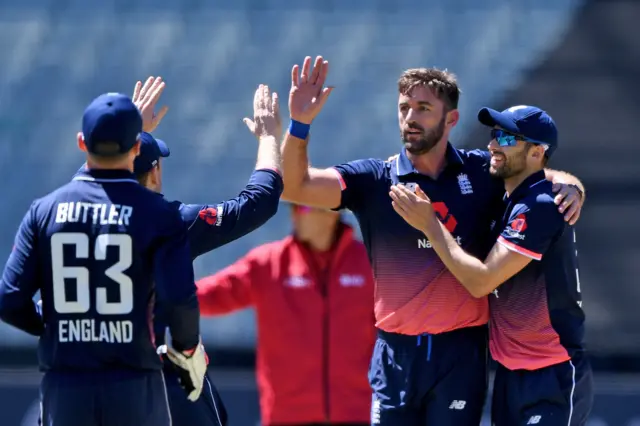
x=143 y=178
x=107 y=153
x=443 y=84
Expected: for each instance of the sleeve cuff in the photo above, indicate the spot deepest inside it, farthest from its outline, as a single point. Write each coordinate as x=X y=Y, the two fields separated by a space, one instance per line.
x=516 y=248
x=343 y=184
x=273 y=169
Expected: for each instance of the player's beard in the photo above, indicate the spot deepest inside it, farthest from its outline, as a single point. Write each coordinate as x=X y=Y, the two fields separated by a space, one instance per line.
x=429 y=139
x=510 y=165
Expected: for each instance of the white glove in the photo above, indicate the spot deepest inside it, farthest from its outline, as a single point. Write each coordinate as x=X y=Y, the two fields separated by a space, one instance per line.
x=194 y=367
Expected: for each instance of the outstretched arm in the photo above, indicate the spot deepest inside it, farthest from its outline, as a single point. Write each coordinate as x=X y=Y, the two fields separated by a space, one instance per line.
x=302 y=184
x=509 y=254
x=232 y=288
x=213 y=225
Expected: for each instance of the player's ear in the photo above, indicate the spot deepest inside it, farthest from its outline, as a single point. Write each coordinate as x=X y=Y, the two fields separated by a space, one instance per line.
x=537 y=152
x=452 y=117
x=81 y=145
x=136 y=148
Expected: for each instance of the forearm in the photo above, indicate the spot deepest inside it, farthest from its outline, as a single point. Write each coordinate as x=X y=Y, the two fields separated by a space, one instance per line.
x=470 y=271
x=184 y=323
x=268 y=154
x=557 y=176
x=227 y=291
x=295 y=166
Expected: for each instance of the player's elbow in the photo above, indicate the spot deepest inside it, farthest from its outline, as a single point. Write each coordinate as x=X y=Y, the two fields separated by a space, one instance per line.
x=272 y=203
x=478 y=286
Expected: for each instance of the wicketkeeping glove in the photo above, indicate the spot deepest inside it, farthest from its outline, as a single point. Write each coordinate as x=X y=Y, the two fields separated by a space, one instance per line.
x=192 y=366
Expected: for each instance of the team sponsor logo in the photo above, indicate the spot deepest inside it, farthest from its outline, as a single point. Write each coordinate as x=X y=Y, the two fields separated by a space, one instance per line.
x=425 y=243
x=445 y=216
x=297 y=281
x=517 y=227
x=212 y=215
x=347 y=280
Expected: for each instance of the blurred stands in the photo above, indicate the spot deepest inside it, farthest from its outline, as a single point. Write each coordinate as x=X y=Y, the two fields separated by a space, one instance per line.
x=576 y=61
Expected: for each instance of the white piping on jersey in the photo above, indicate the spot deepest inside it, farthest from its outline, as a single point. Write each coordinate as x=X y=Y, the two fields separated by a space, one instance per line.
x=92 y=179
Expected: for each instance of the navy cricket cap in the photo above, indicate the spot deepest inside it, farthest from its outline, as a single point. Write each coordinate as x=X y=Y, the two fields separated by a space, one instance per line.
x=531 y=122
x=151 y=150
x=111 y=117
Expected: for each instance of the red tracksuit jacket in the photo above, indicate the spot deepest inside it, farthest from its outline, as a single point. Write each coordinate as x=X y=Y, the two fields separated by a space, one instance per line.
x=315 y=333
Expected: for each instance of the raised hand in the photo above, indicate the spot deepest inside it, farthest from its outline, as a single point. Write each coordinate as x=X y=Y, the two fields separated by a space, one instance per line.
x=145 y=98
x=266 y=114
x=308 y=94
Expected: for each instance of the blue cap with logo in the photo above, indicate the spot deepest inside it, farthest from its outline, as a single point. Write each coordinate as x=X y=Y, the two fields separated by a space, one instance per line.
x=529 y=122
x=151 y=150
x=111 y=118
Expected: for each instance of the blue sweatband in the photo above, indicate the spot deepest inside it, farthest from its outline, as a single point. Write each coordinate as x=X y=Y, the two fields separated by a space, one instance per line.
x=298 y=129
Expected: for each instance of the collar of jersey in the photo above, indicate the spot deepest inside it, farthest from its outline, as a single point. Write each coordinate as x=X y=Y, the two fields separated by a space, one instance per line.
x=404 y=166
x=103 y=174
x=523 y=189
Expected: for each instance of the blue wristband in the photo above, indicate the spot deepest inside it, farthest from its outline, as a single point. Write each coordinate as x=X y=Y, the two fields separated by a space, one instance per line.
x=299 y=130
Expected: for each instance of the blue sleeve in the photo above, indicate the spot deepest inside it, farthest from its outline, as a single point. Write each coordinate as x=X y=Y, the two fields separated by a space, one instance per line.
x=212 y=226
x=20 y=280
x=357 y=179
x=533 y=226
x=175 y=284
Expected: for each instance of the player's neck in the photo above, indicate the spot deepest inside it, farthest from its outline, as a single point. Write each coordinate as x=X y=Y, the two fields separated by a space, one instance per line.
x=97 y=165
x=431 y=163
x=322 y=242
x=513 y=182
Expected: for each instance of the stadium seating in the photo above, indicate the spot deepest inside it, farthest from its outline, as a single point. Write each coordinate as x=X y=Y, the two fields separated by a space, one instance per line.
x=58 y=55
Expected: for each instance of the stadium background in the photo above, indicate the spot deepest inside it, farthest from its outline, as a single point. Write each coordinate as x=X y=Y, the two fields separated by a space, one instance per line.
x=578 y=59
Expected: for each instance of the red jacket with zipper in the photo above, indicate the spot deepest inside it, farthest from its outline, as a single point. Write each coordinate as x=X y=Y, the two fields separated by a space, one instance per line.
x=315 y=331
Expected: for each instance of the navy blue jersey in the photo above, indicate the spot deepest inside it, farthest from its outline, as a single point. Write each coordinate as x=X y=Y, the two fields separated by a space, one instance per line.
x=94 y=249
x=536 y=315
x=415 y=293
x=213 y=225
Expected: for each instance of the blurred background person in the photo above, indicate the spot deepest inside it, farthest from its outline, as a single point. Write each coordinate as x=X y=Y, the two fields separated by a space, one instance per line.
x=313 y=296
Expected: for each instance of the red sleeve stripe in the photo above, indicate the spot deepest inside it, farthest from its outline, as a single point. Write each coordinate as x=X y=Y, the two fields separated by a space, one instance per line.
x=523 y=251
x=343 y=184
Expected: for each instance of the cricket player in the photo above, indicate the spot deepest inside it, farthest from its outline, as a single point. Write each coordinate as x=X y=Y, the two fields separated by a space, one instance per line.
x=429 y=364
x=537 y=323
x=211 y=226
x=100 y=249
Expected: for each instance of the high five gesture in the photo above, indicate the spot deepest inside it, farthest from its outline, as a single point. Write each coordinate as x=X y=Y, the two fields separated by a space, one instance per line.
x=308 y=94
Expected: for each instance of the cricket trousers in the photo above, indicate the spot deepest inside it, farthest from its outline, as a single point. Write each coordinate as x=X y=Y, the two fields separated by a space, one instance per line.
x=431 y=379
x=208 y=410
x=104 y=398
x=558 y=395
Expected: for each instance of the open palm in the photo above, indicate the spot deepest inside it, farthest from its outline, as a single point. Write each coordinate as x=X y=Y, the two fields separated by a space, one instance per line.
x=146 y=97
x=308 y=94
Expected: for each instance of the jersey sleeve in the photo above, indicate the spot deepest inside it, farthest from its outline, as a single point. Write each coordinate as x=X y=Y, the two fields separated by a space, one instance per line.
x=20 y=280
x=533 y=225
x=231 y=288
x=214 y=225
x=357 y=178
x=480 y=154
x=175 y=283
